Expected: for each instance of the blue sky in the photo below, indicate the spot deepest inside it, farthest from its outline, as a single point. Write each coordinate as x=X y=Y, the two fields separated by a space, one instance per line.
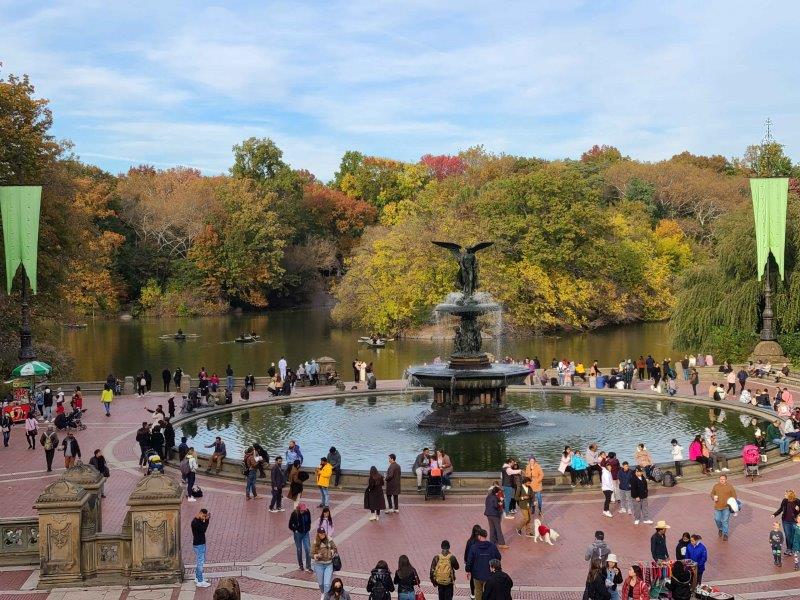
x=168 y=83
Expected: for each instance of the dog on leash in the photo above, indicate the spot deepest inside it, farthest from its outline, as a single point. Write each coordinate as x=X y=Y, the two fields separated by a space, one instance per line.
x=544 y=533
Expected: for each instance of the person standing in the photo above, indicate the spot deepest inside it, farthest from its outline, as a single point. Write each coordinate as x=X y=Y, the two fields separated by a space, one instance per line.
x=157 y=441
x=98 y=461
x=443 y=572
x=106 y=397
x=31 y=430
x=71 y=450
x=277 y=483
x=697 y=552
x=624 y=479
x=721 y=493
x=188 y=467
x=293 y=453
x=229 y=383
x=694 y=380
x=634 y=586
x=323 y=473
x=250 y=468
x=612 y=576
x=199 y=527
x=393 y=478
x=373 y=495
x=607 y=486
x=595 y=586
x=49 y=442
x=639 y=495
x=477 y=565
x=685 y=367
x=282 y=364
x=788 y=510
x=47 y=404
x=300 y=526
x=677 y=457
x=335 y=460
x=534 y=472
x=405 y=578
x=658 y=542
x=166 y=377
x=143 y=439
x=493 y=513
x=5 y=426
x=322 y=551
x=176 y=377
x=169 y=438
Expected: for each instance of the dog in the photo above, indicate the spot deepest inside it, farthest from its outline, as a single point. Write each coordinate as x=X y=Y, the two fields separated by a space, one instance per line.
x=544 y=533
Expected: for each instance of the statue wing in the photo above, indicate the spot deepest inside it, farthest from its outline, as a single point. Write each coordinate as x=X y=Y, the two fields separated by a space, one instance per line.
x=476 y=247
x=454 y=248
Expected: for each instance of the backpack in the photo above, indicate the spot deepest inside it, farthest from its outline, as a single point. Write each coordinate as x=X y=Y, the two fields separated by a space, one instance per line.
x=443 y=572
x=245 y=468
x=244 y=393
x=197 y=492
x=669 y=479
x=48 y=443
x=378 y=590
x=185 y=469
x=656 y=474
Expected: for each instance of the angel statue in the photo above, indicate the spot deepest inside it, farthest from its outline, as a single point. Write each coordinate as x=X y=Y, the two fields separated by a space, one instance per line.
x=467 y=278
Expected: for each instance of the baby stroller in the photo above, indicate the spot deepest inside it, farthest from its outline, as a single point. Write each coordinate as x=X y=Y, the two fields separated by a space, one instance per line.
x=751 y=457
x=153 y=462
x=74 y=419
x=434 y=487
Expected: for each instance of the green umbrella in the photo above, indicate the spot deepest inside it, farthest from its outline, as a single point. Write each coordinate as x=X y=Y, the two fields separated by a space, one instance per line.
x=29 y=369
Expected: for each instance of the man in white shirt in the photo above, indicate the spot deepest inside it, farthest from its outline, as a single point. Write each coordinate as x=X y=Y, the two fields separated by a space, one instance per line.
x=282 y=368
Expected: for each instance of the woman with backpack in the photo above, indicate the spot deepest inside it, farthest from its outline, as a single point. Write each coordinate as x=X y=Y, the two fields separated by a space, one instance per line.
x=405 y=578
x=379 y=584
x=443 y=572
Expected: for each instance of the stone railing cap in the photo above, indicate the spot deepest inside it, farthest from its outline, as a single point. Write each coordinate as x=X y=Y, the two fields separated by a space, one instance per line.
x=60 y=492
x=83 y=474
x=155 y=487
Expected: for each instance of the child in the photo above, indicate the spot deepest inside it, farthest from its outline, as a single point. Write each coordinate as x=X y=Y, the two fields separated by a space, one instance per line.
x=677 y=456
x=775 y=542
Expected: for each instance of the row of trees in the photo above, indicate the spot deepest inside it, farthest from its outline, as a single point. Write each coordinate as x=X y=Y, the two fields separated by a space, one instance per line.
x=578 y=243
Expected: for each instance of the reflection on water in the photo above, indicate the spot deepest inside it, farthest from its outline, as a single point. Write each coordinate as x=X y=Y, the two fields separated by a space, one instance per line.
x=127 y=347
x=367 y=429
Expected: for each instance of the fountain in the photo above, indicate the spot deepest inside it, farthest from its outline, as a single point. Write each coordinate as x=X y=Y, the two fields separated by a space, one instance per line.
x=469 y=393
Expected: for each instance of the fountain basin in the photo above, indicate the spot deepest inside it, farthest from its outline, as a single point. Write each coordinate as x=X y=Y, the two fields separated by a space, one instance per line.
x=493 y=376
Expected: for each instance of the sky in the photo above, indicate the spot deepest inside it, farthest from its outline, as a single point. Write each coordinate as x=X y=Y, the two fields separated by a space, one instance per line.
x=179 y=83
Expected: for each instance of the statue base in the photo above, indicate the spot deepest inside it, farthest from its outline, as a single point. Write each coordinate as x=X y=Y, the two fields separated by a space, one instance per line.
x=768 y=351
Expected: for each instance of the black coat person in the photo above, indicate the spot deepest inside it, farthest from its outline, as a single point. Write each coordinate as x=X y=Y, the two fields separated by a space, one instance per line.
x=166 y=376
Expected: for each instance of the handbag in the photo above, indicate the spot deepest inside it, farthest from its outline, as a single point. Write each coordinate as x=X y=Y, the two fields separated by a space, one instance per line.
x=337 y=562
x=418 y=593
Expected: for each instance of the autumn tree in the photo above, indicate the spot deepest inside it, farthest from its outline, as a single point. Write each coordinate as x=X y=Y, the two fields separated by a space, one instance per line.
x=443 y=165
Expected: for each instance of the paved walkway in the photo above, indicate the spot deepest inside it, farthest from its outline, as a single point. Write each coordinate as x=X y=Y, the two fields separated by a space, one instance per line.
x=248 y=542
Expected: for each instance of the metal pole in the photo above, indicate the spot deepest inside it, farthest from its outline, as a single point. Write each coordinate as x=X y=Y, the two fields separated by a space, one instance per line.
x=767 y=333
x=25 y=337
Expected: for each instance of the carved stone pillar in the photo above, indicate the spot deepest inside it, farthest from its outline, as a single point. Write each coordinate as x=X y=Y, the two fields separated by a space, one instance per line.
x=86 y=476
x=155 y=521
x=60 y=507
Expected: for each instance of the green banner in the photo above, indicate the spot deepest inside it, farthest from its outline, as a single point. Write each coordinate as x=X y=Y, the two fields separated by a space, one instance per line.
x=769 y=208
x=19 y=206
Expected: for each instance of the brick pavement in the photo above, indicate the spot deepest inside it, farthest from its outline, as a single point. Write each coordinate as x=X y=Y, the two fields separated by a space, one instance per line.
x=247 y=541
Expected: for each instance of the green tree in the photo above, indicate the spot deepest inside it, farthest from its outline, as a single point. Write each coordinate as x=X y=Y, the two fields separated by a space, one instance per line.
x=259 y=159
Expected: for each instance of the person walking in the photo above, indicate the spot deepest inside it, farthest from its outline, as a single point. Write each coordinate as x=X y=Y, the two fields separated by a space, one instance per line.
x=658 y=542
x=323 y=473
x=47 y=404
x=71 y=450
x=106 y=397
x=595 y=586
x=406 y=579
x=598 y=549
x=49 y=443
x=322 y=552
x=788 y=510
x=325 y=521
x=335 y=460
x=443 y=572
x=523 y=498
x=300 y=526
x=31 y=430
x=473 y=538
x=477 y=563
x=499 y=584
x=337 y=591
x=373 y=495
x=393 y=478
x=250 y=471
x=166 y=377
x=199 y=528
x=639 y=494
x=379 y=584
x=493 y=512
x=722 y=492
x=277 y=482
x=694 y=380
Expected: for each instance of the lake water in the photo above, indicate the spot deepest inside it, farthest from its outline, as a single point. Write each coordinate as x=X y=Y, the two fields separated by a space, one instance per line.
x=127 y=347
x=366 y=429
